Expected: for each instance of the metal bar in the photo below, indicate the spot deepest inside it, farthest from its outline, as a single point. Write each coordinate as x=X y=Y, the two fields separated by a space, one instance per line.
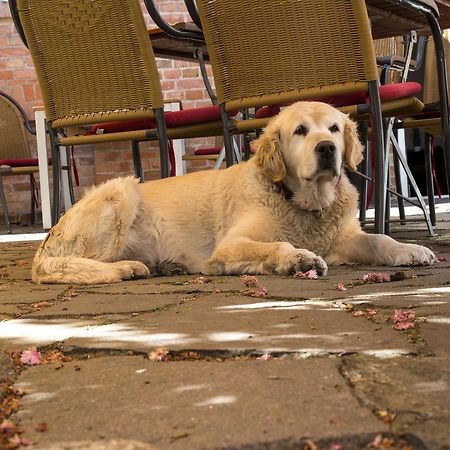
x=163 y=141
x=193 y=12
x=5 y=208
x=413 y=184
x=137 y=160
x=198 y=54
x=227 y=136
x=56 y=169
x=169 y=29
x=429 y=177
x=378 y=140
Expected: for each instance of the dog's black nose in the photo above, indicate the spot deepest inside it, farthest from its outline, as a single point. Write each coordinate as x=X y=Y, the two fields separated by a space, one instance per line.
x=325 y=149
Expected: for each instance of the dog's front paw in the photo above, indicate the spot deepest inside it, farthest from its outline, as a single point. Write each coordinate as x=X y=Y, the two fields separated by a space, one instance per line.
x=413 y=255
x=131 y=269
x=301 y=261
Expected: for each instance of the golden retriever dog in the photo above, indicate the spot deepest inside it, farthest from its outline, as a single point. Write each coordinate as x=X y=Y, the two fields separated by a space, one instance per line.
x=289 y=208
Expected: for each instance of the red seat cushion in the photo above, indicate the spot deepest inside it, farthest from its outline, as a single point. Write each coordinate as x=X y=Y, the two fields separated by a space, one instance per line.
x=173 y=119
x=20 y=162
x=388 y=92
x=208 y=151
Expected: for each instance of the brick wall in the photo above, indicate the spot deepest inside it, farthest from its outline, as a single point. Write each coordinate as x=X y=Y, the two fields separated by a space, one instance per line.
x=179 y=79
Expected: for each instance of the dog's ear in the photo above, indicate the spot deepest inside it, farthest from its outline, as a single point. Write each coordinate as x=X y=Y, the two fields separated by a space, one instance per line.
x=353 y=147
x=268 y=155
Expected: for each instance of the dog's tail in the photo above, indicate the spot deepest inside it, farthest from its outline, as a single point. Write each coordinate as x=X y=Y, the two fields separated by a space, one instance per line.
x=78 y=270
x=90 y=243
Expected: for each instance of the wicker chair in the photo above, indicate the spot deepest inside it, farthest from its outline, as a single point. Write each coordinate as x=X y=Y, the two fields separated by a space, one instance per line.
x=96 y=69
x=15 y=150
x=276 y=52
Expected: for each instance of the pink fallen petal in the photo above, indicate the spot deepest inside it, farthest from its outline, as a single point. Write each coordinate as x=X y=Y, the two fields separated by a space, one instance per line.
x=310 y=274
x=7 y=427
x=336 y=447
x=261 y=291
x=403 y=315
x=159 y=354
x=341 y=287
x=17 y=441
x=372 y=277
x=404 y=326
x=249 y=280
x=31 y=356
x=378 y=439
x=200 y=280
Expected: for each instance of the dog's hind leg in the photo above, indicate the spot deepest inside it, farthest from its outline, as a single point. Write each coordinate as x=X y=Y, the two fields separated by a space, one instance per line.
x=73 y=270
x=95 y=241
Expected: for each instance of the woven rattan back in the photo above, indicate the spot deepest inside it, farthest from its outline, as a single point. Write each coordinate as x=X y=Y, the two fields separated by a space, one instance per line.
x=272 y=46
x=91 y=57
x=13 y=133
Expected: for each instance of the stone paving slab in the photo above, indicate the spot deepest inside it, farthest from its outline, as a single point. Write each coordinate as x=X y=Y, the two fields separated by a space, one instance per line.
x=180 y=405
x=415 y=392
x=90 y=304
x=219 y=322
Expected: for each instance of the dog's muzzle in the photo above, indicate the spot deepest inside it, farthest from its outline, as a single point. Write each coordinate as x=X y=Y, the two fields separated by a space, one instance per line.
x=326 y=154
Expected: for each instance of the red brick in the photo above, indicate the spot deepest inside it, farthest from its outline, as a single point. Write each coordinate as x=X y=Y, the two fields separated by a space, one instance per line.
x=6 y=75
x=191 y=83
x=107 y=156
x=194 y=94
x=25 y=74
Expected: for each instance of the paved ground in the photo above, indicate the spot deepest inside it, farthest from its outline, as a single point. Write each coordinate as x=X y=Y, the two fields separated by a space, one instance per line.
x=216 y=363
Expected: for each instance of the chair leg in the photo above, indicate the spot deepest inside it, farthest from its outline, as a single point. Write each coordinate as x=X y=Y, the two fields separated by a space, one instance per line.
x=163 y=141
x=399 y=189
x=137 y=160
x=69 y=168
x=33 y=199
x=4 y=207
x=429 y=177
x=414 y=186
x=378 y=140
x=56 y=169
x=227 y=136
x=365 y=170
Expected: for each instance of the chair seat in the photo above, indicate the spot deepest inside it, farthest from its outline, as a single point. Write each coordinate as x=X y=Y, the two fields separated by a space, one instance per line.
x=208 y=151
x=173 y=119
x=388 y=92
x=21 y=162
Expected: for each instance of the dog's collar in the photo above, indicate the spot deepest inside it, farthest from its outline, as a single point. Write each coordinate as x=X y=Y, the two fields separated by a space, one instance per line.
x=283 y=190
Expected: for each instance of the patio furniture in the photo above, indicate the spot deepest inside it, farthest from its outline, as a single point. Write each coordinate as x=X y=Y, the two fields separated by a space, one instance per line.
x=100 y=82
x=15 y=150
x=272 y=53
x=393 y=17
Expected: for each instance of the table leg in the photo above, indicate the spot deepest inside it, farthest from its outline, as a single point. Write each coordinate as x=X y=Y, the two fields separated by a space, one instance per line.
x=41 y=142
x=65 y=174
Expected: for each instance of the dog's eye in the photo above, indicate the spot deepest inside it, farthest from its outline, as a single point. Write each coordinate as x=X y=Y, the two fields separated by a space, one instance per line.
x=334 y=128
x=301 y=130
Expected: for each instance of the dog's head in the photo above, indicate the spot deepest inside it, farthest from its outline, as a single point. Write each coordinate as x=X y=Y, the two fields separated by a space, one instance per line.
x=308 y=142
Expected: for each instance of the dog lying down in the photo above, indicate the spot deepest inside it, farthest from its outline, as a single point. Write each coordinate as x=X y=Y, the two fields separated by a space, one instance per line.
x=290 y=208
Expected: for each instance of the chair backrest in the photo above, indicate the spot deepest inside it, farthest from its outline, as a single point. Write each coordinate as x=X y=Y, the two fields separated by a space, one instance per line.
x=14 y=142
x=270 y=51
x=93 y=59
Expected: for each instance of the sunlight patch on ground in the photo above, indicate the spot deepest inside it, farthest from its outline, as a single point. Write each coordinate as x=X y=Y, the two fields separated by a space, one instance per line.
x=436 y=319
x=279 y=305
x=22 y=237
x=41 y=333
x=422 y=292
x=219 y=400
